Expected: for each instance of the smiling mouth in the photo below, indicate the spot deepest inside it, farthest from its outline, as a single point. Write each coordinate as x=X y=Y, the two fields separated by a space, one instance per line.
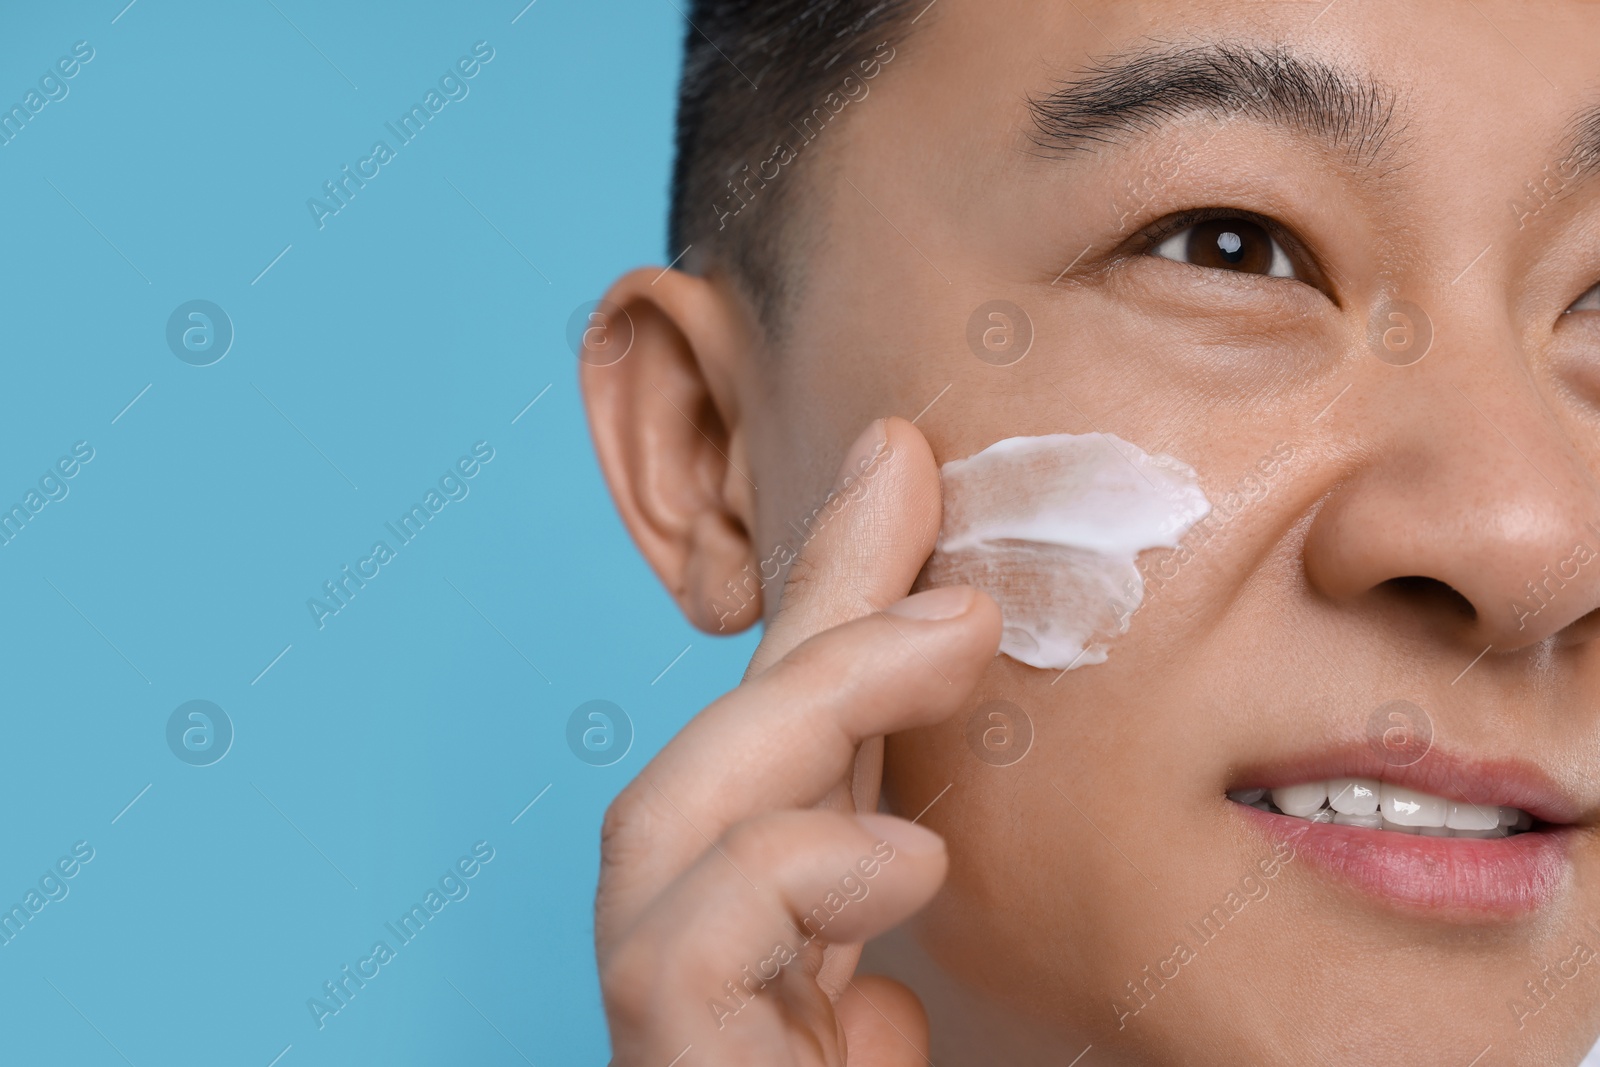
x=1371 y=804
x=1492 y=843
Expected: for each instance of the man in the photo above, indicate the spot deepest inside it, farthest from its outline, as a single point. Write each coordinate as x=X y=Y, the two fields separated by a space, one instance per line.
x=1341 y=260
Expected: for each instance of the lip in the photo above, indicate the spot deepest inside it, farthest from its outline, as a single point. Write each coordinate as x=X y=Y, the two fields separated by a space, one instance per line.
x=1449 y=879
x=1443 y=878
x=1506 y=782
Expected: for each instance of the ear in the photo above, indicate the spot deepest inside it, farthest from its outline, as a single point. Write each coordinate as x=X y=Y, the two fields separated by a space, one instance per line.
x=661 y=365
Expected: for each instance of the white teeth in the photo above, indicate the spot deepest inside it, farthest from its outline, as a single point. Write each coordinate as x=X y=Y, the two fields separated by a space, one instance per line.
x=1371 y=804
x=1300 y=800
x=1366 y=822
x=1408 y=807
x=1471 y=817
x=1353 y=796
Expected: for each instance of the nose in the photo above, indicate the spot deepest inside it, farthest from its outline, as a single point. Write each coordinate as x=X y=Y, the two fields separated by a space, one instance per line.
x=1477 y=516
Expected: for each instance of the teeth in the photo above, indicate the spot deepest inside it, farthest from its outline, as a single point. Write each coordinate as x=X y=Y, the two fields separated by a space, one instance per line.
x=1300 y=800
x=1366 y=822
x=1353 y=796
x=1408 y=807
x=1370 y=804
x=1471 y=817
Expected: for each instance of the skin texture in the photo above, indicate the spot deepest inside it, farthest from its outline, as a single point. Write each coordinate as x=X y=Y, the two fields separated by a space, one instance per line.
x=1382 y=557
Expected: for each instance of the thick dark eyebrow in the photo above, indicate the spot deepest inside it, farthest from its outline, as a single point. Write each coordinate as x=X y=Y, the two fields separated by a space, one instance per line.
x=1584 y=143
x=1135 y=93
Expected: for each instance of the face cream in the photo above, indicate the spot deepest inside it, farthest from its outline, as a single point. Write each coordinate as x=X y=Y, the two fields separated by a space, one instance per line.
x=1050 y=528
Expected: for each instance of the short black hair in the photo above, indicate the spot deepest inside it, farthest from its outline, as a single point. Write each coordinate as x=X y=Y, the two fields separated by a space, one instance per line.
x=761 y=79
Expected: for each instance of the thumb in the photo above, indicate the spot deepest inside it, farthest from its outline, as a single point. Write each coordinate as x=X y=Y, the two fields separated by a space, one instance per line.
x=884 y=1024
x=864 y=544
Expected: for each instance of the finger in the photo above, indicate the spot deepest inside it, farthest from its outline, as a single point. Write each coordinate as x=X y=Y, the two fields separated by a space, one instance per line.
x=724 y=959
x=783 y=740
x=884 y=1024
x=864 y=544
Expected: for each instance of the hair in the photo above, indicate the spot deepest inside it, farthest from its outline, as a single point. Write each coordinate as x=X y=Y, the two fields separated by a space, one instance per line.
x=752 y=69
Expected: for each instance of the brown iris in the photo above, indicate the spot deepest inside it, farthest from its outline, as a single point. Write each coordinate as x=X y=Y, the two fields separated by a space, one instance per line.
x=1231 y=244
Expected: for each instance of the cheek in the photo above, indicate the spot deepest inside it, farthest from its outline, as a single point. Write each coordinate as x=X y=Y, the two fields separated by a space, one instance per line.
x=1051 y=528
x=1026 y=913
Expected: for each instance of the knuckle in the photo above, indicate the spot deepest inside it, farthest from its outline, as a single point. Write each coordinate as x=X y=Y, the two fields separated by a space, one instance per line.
x=802 y=576
x=626 y=829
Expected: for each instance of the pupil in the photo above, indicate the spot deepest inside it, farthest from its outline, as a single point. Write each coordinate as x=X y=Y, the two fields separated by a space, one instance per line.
x=1231 y=244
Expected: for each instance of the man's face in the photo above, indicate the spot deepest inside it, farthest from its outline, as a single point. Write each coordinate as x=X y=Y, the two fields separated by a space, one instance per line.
x=1397 y=179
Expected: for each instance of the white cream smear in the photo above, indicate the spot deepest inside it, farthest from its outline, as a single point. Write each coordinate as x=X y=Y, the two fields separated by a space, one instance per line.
x=1050 y=527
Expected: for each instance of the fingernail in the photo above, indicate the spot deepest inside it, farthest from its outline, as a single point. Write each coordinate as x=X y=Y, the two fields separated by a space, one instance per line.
x=863 y=452
x=945 y=603
x=901 y=834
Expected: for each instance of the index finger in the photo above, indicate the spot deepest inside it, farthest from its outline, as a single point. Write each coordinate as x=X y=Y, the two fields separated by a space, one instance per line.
x=864 y=543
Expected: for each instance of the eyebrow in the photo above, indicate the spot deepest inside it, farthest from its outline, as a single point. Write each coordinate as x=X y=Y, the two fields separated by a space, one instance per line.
x=1584 y=142
x=1134 y=93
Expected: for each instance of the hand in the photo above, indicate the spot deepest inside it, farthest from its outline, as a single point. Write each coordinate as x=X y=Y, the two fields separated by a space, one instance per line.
x=743 y=868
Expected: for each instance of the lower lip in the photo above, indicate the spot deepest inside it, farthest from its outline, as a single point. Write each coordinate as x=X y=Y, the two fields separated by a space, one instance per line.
x=1449 y=878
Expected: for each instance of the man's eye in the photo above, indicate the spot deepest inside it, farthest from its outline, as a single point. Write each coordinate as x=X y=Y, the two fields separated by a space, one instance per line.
x=1234 y=244
x=1589 y=301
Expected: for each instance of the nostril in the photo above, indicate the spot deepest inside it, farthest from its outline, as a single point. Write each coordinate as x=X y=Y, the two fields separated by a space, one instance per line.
x=1418 y=590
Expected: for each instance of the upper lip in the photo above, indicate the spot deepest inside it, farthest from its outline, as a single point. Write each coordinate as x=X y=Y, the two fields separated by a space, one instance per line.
x=1507 y=781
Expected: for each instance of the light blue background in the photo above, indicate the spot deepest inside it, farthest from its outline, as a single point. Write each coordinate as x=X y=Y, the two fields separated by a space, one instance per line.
x=367 y=359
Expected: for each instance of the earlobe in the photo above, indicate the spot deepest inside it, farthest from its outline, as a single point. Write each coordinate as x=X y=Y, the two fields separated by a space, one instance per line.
x=666 y=421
